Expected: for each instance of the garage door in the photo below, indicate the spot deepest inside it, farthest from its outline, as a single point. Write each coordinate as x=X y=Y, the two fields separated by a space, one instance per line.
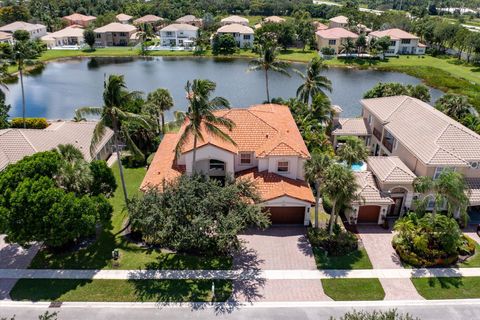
x=287 y=215
x=368 y=214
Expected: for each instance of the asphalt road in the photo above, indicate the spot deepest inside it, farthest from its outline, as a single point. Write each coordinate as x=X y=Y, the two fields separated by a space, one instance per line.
x=426 y=311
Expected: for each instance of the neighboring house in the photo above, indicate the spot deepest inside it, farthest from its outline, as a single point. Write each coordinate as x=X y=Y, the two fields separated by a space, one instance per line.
x=123 y=18
x=338 y=22
x=6 y=37
x=243 y=35
x=79 y=20
x=191 y=20
x=70 y=36
x=36 y=31
x=15 y=144
x=402 y=42
x=320 y=26
x=410 y=138
x=274 y=19
x=178 y=35
x=114 y=34
x=268 y=150
x=149 y=19
x=234 y=20
x=333 y=38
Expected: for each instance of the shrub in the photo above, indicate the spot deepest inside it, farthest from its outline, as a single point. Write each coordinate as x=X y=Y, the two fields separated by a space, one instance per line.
x=341 y=243
x=376 y=315
x=30 y=123
x=327 y=51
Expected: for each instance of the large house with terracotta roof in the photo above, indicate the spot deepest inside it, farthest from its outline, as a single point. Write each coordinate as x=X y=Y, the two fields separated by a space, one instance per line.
x=401 y=42
x=77 y=19
x=242 y=34
x=333 y=38
x=408 y=138
x=268 y=150
x=115 y=34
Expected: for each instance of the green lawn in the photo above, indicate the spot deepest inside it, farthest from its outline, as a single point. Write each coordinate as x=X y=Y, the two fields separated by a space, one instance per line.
x=98 y=255
x=353 y=289
x=473 y=261
x=121 y=290
x=448 y=288
x=354 y=260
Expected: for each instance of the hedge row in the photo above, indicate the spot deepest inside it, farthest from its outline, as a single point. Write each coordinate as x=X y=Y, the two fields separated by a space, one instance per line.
x=30 y=123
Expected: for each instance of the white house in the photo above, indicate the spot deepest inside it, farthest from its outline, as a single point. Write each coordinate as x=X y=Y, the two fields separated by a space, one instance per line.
x=36 y=31
x=268 y=150
x=178 y=35
x=234 y=19
x=69 y=37
x=243 y=35
x=402 y=42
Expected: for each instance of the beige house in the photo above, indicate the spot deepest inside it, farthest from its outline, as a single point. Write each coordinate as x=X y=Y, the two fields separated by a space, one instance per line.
x=115 y=34
x=149 y=19
x=401 y=42
x=71 y=36
x=338 y=22
x=78 y=19
x=410 y=138
x=36 y=31
x=333 y=38
x=234 y=20
x=15 y=144
x=123 y=18
x=243 y=35
x=6 y=37
x=191 y=20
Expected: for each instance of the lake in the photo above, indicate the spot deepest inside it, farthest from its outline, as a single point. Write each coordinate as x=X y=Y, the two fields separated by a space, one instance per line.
x=66 y=85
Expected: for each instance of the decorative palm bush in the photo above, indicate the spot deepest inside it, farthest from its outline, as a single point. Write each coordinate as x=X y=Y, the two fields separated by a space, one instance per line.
x=430 y=240
x=342 y=242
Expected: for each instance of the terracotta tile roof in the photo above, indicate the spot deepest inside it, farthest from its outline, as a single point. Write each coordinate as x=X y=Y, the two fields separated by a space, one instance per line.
x=116 y=27
x=336 y=33
x=339 y=19
x=149 y=18
x=368 y=191
x=474 y=189
x=18 y=143
x=390 y=170
x=235 y=28
x=79 y=17
x=433 y=137
x=351 y=127
x=265 y=129
x=163 y=167
x=394 y=34
x=272 y=186
x=320 y=26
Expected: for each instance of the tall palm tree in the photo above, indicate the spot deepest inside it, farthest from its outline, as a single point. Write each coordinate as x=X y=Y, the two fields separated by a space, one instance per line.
x=112 y=116
x=347 y=46
x=200 y=116
x=268 y=62
x=455 y=106
x=158 y=102
x=315 y=169
x=353 y=151
x=314 y=82
x=341 y=187
x=448 y=188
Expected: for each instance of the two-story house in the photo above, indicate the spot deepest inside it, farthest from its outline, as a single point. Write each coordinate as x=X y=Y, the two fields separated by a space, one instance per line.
x=333 y=38
x=268 y=150
x=402 y=42
x=410 y=138
x=338 y=22
x=178 y=35
x=190 y=19
x=234 y=19
x=77 y=19
x=115 y=34
x=36 y=31
x=243 y=35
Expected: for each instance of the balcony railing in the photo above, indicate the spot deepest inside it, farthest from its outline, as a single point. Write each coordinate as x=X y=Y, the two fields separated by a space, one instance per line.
x=377 y=133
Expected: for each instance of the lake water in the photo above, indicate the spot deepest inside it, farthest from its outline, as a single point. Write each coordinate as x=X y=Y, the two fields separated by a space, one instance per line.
x=64 y=86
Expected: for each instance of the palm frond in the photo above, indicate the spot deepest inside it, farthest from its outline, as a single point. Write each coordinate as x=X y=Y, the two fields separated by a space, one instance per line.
x=98 y=134
x=214 y=130
x=94 y=111
x=131 y=145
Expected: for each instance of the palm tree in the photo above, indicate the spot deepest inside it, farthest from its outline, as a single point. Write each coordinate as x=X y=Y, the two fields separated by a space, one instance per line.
x=353 y=151
x=314 y=82
x=157 y=103
x=200 y=116
x=112 y=116
x=322 y=110
x=455 y=106
x=69 y=152
x=315 y=169
x=74 y=173
x=341 y=187
x=448 y=188
x=347 y=46
x=268 y=61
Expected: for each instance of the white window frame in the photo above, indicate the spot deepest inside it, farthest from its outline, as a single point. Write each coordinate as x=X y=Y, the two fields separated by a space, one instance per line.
x=250 y=156
x=278 y=166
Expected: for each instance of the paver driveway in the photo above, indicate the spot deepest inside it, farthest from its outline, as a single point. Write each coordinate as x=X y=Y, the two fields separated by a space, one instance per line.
x=277 y=248
x=13 y=256
x=378 y=244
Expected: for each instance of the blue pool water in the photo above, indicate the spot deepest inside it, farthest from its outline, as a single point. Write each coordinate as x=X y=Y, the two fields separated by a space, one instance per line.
x=359 y=167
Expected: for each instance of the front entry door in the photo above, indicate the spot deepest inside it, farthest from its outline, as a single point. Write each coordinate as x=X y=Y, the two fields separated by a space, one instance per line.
x=396 y=207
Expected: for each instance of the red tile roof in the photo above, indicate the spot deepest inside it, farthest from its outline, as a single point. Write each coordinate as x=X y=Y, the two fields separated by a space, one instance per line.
x=336 y=33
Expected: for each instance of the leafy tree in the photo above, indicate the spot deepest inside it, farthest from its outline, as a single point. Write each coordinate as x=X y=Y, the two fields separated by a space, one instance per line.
x=361 y=43
x=352 y=151
x=315 y=169
x=314 y=82
x=12 y=13
x=196 y=214
x=305 y=30
x=382 y=44
x=200 y=114
x=4 y=109
x=390 y=89
x=224 y=44
x=347 y=46
x=158 y=102
x=454 y=106
x=89 y=37
x=103 y=179
x=268 y=62
x=112 y=116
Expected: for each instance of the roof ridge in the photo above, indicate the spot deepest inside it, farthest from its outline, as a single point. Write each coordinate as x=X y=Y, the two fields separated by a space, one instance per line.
x=405 y=98
x=28 y=140
x=450 y=153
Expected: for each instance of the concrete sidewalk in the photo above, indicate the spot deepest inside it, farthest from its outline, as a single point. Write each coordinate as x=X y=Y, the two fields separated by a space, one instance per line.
x=238 y=274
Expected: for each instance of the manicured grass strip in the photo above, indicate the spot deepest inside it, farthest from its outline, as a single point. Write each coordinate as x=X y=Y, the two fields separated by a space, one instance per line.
x=99 y=254
x=448 y=288
x=473 y=261
x=353 y=289
x=121 y=290
x=354 y=260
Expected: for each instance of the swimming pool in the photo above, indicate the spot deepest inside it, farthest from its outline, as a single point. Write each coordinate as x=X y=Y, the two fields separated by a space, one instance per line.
x=359 y=166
